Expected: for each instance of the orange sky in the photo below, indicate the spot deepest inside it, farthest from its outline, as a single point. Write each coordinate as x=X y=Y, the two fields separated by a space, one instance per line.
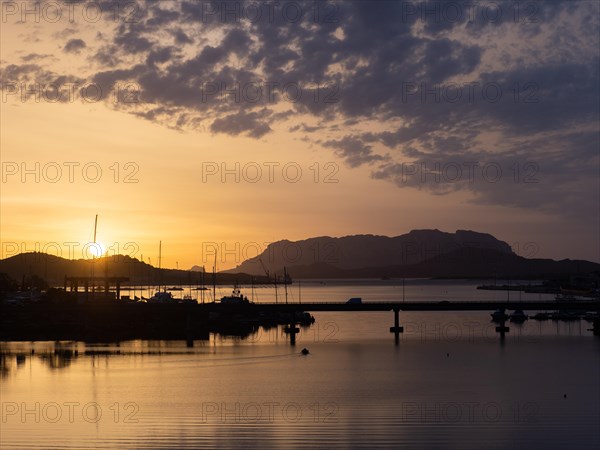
x=166 y=198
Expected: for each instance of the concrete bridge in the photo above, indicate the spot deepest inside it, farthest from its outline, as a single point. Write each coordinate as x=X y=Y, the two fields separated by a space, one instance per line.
x=396 y=307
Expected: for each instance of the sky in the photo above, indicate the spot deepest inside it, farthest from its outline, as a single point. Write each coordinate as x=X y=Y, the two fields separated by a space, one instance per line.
x=230 y=125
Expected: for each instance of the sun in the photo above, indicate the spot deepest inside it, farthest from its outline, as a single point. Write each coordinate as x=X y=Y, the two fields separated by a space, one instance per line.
x=95 y=249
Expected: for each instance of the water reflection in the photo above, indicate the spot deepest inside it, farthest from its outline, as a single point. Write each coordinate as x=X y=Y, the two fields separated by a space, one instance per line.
x=59 y=355
x=60 y=359
x=354 y=391
x=330 y=328
x=450 y=380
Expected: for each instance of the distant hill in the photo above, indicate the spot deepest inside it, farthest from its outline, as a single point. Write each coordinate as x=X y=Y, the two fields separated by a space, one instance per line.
x=420 y=253
x=53 y=269
x=461 y=263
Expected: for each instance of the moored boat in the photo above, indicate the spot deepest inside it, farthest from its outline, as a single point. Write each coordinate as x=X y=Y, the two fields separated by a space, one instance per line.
x=161 y=297
x=499 y=315
x=518 y=316
x=236 y=298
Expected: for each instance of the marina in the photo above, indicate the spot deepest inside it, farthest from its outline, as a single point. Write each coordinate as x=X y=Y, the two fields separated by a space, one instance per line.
x=199 y=366
x=92 y=315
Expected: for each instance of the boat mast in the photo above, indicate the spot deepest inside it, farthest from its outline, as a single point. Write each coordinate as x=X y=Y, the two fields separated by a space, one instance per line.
x=215 y=279
x=94 y=254
x=202 y=290
x=285 y=284
x=151 y=277
x=159 y=263
x=95 y=227
x=142 y=275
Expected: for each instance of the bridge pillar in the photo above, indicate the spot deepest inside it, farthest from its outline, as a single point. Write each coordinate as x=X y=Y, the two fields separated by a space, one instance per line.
x=502 y=329
x=292 y=330
x=397 y=329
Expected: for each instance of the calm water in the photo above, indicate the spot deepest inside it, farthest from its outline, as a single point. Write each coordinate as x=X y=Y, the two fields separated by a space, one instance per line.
x=368 y=290
x=450 y=383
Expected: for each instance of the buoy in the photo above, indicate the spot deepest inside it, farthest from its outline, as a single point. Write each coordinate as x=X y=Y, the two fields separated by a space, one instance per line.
x=305 y=351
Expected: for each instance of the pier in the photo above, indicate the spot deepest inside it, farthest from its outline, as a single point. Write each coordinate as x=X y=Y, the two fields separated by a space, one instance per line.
x=90 y=283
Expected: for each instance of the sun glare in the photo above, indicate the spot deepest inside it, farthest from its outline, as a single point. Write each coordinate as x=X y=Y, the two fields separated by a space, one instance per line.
x=95 y=249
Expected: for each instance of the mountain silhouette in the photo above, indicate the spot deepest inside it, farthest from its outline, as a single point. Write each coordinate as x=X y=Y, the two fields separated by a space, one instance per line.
x=53 y=270
x=420 y=253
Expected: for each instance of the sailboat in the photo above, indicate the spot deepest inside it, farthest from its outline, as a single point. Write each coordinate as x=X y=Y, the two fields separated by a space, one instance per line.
x=160 y=296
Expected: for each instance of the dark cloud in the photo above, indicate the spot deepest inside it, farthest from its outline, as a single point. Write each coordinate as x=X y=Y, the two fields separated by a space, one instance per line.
x=160 y=55
x=74 y=46
x=305 y=128
x=65 y=32
x=163 y=17
x=354 y=151
x=381 y=79
x=237 y=41
x=34 y=57
x=445 y=58
x=32 y=81
x=181 y=37
x=106 y=57
x=253 y=124
x=131 y=42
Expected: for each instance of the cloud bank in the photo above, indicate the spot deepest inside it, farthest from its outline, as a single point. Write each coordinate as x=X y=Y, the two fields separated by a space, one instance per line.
x=499 y=99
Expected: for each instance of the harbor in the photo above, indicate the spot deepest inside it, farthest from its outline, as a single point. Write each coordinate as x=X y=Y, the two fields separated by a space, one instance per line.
x=89 y=315
x=234 y=375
